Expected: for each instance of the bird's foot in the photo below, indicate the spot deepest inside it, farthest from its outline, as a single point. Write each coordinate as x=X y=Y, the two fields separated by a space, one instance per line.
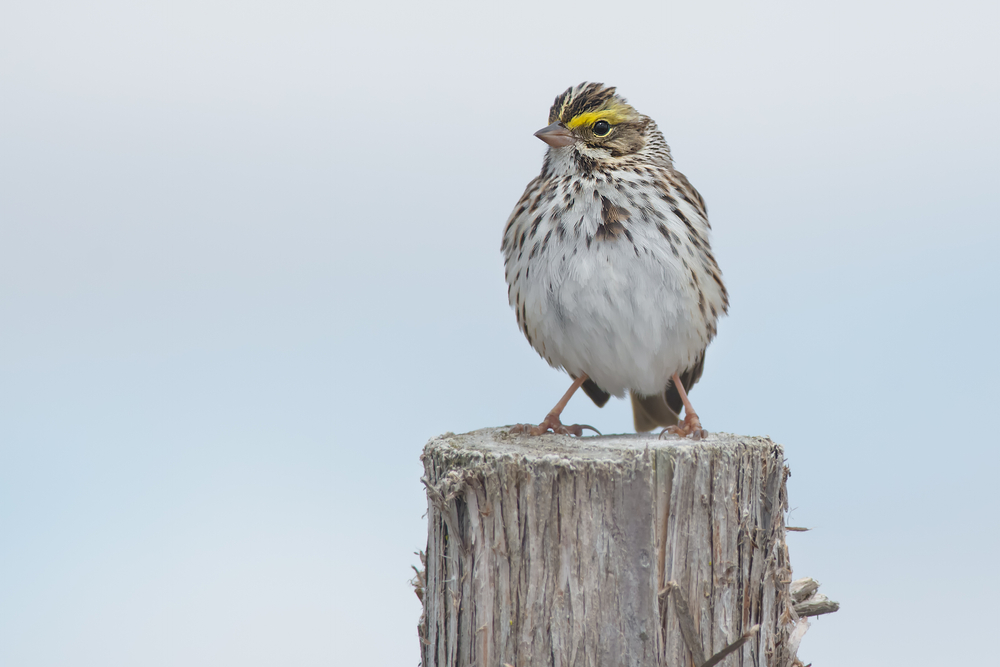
x=552 y=423
x=689 y=426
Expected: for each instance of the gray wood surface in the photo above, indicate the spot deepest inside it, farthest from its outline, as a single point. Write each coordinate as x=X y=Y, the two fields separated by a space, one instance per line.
x=616 y=550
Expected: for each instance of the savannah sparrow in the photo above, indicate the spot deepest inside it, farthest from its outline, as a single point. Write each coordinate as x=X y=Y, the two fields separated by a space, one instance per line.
x=608 y=263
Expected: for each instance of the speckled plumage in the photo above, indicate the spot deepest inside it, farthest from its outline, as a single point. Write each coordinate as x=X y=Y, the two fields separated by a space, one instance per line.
x=608 y=260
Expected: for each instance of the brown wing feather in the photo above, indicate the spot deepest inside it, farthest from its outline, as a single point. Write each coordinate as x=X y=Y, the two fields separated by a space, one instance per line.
x=597 y=395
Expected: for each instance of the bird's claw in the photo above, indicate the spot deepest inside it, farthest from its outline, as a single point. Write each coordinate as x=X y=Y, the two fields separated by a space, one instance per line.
x=574 y=429
x=689 y=426
x=552 y=423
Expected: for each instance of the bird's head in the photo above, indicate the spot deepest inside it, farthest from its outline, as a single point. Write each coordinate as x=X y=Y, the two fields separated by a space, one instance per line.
x=599 y=124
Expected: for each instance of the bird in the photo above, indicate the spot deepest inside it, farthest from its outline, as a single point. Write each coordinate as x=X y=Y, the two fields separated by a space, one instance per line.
x=609 y=267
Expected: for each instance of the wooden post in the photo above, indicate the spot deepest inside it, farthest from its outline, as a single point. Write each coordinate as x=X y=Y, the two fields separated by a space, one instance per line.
x=606 y=551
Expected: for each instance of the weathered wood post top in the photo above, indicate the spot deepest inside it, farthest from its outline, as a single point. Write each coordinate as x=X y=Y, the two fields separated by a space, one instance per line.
x=613 y=550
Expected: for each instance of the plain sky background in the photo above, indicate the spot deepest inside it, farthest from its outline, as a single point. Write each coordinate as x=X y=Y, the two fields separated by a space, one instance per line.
x=249 y=264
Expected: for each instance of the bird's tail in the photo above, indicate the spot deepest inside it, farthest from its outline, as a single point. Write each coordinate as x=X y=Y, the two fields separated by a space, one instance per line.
x=661 y=410
x=650 y=412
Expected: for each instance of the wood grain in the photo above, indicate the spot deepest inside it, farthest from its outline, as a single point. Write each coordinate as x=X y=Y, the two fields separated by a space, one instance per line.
x=618 y=550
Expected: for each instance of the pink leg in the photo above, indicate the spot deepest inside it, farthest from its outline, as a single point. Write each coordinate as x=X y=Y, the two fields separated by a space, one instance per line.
x=690 y=425
x=551 y=421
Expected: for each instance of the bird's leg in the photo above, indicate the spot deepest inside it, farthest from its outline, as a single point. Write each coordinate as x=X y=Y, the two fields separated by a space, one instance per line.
x=551 y=421
x=690 y=425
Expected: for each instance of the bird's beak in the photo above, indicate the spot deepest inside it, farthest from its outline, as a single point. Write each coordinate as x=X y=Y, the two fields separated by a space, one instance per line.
x=556 y=135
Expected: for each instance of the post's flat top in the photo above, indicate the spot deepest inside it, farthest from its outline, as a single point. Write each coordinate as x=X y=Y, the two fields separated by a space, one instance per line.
x=498 y=441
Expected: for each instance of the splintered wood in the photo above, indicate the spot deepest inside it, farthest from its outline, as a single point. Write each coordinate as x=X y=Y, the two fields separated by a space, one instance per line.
x=620 y=550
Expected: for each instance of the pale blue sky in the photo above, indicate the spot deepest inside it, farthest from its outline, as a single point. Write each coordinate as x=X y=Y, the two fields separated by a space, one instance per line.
x=249 y=264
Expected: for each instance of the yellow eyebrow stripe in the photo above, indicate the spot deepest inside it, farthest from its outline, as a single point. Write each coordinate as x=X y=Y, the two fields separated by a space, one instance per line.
x=590 y=117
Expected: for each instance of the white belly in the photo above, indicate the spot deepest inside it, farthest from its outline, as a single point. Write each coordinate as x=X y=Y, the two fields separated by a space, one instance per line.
x=627 y=321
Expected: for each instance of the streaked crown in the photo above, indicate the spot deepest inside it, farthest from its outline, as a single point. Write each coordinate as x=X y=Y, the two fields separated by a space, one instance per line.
x=587 y=103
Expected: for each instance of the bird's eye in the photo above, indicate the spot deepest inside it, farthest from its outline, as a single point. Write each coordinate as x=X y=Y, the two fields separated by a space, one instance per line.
x=601 y=128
